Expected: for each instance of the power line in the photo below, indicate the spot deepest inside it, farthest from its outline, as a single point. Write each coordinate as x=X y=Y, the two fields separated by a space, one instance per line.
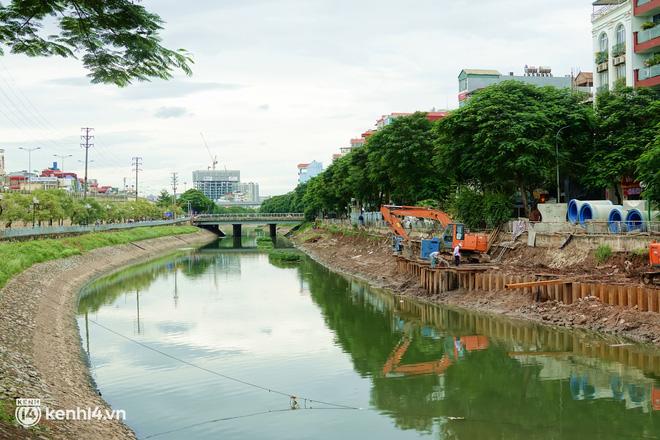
x=86 y=138
x=137 y=162
x=224 y=376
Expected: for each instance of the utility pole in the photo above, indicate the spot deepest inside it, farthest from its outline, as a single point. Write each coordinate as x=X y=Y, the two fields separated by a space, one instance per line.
x=175 y=181
x=86 y=138
x=137 y=162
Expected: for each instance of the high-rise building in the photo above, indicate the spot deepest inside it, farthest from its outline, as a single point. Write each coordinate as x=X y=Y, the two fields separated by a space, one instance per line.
x=250 y=191
x=626 y=40
x=2 y=162
x=471 y=80
x=216 y=183
x=306 y=171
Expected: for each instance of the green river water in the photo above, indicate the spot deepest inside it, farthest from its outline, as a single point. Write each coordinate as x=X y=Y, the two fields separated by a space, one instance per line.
x=413 y=369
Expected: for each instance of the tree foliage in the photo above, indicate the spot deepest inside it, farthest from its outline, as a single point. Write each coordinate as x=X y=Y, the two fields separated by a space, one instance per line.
x=198 y=202
x=627 y=124
x=504 y=138
x=501 y=146
x=56 y=207
x=648 y=169
x=117 y=40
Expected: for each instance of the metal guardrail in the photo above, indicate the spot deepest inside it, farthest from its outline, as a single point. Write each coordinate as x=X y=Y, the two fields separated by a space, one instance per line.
x=591 y=227
x=59 y=230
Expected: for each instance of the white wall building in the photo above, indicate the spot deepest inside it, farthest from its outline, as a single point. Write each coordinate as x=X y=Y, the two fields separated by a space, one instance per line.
x=624 y=43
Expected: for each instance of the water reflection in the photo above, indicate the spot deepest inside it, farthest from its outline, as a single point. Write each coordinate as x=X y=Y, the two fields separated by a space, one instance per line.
x=430 y=370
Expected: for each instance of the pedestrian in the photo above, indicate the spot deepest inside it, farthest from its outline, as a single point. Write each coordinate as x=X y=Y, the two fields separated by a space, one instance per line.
x=457 y=254
x=361 y=220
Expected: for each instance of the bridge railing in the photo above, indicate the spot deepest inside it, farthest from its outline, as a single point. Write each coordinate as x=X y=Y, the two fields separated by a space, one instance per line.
x=250 y=216
x=59 y=230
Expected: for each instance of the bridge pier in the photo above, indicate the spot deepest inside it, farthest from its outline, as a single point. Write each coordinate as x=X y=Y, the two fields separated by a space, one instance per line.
x=237 y=229
x=273 y=229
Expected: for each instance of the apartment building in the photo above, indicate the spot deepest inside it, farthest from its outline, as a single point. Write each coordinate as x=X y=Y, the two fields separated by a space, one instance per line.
x=626 y=41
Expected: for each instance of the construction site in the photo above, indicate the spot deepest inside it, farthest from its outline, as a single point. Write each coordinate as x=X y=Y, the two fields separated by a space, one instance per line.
x=590 y=265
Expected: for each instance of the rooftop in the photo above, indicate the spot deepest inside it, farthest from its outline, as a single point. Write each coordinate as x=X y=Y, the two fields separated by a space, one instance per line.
x=481 y=72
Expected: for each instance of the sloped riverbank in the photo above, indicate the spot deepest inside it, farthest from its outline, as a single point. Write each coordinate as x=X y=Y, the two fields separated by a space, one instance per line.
x=368 y=256
x=40 y=351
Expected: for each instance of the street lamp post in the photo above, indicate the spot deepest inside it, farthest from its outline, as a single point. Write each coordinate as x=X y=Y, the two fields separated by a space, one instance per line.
x=557 y=157
x=35 y=205
x=29 y=151
x=61 y=157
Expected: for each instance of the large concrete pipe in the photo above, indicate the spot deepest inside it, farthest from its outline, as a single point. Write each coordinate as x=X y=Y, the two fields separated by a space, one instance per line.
x=637 y=220
x=575 y=205
x=615 y=220
x=590 y=211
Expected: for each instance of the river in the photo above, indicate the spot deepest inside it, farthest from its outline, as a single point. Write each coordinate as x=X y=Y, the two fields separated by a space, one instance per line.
x=223 y=330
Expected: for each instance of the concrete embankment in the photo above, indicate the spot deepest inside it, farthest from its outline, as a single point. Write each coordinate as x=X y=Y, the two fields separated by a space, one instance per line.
x=369 y=257
x=40 y=351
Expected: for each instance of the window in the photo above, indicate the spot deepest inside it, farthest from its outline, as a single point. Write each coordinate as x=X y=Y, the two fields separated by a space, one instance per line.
x=604 y=80
x=603 y=43
x=621 y=71
x=620 y=34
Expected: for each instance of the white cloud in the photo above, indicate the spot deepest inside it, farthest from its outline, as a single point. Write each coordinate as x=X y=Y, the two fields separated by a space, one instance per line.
x=324 y=70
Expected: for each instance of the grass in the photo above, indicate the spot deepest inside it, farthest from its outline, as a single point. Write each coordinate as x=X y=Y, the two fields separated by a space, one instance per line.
x=17 y=256
x=641 y=252
x=287 y=256
x=5 y=415
x=603 y=253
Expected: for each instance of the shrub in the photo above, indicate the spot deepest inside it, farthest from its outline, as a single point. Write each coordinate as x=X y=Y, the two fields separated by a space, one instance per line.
x=497 y=209
x=603 y=253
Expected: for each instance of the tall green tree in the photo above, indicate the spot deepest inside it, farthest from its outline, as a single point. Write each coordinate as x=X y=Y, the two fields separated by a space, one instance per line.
x=164 y=199
x=400 y=161
x=117 y=40
x=627 y=124
x=648 y=169
x=504 y=138
x=198 y=201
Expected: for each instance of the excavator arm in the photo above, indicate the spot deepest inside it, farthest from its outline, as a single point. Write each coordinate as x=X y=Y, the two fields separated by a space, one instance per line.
x=394 y=214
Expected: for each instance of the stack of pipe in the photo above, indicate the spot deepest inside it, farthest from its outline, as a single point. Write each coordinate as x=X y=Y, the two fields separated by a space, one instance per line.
x=637 y=220
x=597 y=212
x=615 y=221
x=575 y=208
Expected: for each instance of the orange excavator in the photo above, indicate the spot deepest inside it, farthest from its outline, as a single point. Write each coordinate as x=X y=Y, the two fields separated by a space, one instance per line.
x=454 y=233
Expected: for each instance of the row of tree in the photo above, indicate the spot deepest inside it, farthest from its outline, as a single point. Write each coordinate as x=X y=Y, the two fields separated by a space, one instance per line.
x=56 y=207
x=499 y=148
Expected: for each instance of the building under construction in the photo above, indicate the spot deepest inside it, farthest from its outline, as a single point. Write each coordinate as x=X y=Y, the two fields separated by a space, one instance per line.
x=216 y=183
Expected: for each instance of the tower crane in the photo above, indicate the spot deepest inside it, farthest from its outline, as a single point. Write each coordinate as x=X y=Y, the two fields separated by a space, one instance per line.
x=214 y=159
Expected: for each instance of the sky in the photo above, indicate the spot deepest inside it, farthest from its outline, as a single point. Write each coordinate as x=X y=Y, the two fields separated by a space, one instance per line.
x=277 y=82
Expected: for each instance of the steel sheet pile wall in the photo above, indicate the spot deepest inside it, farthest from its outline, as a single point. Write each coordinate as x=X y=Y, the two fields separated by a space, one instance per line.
x=440 y=280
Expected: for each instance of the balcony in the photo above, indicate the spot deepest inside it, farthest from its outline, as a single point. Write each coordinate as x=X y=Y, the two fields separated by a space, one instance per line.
x=648 y=76
x=647 y=40
x=645 y=8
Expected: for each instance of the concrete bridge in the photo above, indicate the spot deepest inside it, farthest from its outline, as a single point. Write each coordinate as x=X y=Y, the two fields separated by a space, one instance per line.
x=214 y=222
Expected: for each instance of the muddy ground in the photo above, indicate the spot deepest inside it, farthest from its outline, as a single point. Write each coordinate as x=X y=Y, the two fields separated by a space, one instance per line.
x=369 y=257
